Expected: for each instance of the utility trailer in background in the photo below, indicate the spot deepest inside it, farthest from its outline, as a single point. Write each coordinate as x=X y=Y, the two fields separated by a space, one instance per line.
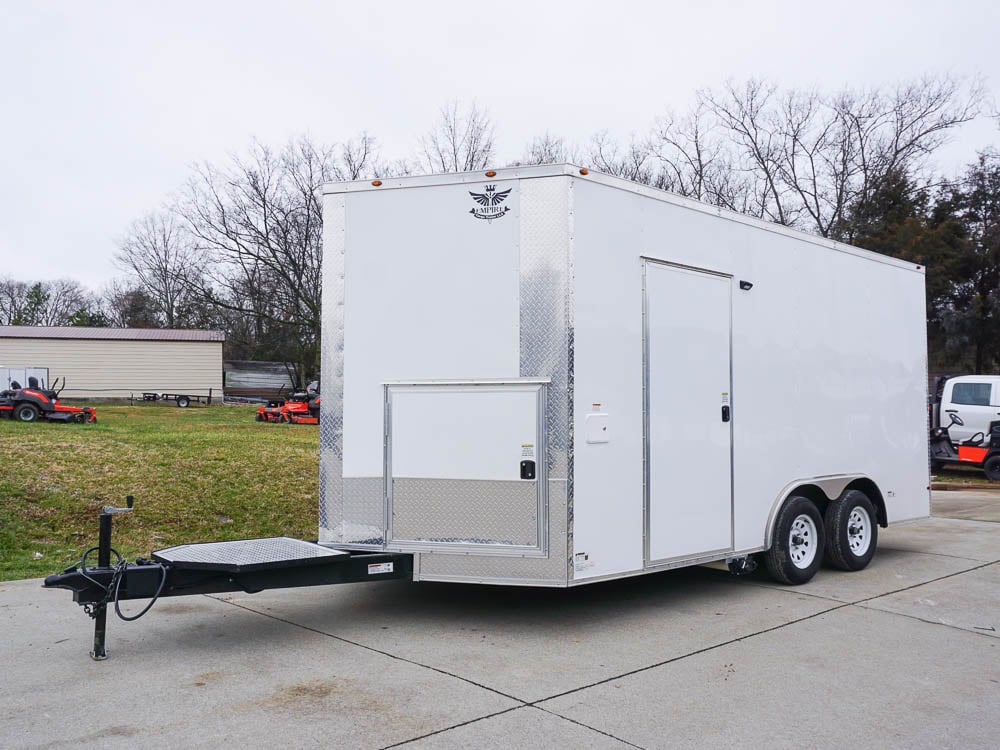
x=544 y=376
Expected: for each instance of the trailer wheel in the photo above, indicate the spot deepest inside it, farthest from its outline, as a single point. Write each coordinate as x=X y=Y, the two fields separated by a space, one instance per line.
x=991 y=467
x=183 y=401
x=25 y=413
x=851 y=531
x=796 y=551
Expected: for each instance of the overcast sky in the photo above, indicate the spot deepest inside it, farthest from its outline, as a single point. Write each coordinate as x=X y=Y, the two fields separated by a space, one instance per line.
x=104 y=106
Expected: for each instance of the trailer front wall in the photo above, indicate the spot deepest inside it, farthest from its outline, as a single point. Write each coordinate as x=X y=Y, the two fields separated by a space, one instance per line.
x=417 y=288
x=828 y=367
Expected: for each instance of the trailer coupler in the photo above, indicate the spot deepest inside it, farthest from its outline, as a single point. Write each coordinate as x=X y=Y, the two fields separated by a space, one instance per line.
x=246 y=565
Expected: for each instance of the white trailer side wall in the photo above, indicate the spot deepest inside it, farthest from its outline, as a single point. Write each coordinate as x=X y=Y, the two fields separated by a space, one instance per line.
x=828 y=358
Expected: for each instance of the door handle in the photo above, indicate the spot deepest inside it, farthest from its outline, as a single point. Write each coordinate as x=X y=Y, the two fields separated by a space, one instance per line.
x=725 y=412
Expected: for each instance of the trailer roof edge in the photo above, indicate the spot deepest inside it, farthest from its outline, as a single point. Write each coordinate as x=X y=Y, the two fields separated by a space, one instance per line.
x=583 y=173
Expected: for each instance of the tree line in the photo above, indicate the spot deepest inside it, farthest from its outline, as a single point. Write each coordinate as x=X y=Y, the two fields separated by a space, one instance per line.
x=239 y=246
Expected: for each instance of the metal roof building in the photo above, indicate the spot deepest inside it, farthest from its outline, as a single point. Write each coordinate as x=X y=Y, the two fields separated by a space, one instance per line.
x=117 y=362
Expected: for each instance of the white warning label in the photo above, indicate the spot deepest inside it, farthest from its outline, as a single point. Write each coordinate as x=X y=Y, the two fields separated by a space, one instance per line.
x=376 y=568
x=527 y=450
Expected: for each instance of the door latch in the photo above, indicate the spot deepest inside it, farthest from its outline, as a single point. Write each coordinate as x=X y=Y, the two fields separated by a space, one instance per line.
x=725 y=412
x=527 y=469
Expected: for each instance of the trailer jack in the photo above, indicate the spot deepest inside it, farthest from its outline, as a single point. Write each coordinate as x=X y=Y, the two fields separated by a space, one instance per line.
x=244 y=565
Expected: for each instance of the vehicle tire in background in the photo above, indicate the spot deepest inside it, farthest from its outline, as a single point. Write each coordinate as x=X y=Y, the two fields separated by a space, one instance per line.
x=992 y=467
x=851 y=531
x=183 y=401
x=258 y=417
x=25 y=413
x=797 y=544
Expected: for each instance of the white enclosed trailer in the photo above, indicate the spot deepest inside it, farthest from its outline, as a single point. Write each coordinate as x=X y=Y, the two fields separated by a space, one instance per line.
x=20 y=374
x=546 y=376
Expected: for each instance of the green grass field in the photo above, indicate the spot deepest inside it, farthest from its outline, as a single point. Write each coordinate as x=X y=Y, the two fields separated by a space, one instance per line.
x=197 y=474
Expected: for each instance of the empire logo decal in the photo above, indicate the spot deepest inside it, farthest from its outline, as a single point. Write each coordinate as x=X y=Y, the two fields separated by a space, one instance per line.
x=489 y=203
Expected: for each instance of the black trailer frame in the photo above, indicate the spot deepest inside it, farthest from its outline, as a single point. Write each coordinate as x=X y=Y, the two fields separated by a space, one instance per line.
x=245 y=565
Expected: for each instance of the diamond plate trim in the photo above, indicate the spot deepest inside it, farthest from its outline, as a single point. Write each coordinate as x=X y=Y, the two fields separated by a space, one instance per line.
x=547 y=320
x=331 y=424
x=464 y=511
x=280 y=549
x=551 y=570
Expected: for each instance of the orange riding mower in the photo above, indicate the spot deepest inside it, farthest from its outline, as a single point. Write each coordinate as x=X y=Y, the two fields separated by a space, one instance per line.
x=977 y=451
x=35 y=403
x=300 y=408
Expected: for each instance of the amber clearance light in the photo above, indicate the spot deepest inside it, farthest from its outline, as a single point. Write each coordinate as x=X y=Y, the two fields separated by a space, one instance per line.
x=376 y=183
x=584 y=172
x=491 y=173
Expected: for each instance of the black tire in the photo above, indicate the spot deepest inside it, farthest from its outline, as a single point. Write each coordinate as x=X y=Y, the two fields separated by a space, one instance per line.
x=796 y=551
x=851 y=531
x=991 y=467
x=259 y=417
x=26 y=413
x=183 y=401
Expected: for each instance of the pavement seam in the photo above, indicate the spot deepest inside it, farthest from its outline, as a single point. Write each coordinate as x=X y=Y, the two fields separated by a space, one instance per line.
x=453 y=726
x=928 y=622
x=706 y=649
x=932 y=554
x=586 y=726
x=374 y=650
x=933 y=580
x=534 y=704
x=840 y=605
x=507 y=711
x=799 y=591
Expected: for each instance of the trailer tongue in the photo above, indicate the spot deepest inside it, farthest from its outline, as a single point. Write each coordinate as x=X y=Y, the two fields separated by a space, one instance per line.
x=246 y=565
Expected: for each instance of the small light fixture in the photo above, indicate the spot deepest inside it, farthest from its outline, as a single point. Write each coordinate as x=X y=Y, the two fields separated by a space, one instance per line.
x=491 y=173
x=746 y=286
x=377 y=183
x=584 y=172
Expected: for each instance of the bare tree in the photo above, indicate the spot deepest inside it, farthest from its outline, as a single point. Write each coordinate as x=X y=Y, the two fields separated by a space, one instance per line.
x=812 y=156
x=633 y=161
x=695 y=160
x=13 y=301
x=259 y=221
x=159 y=253
x=544 y=149
x=461 y=141
x=126 y=304
x=43 y=303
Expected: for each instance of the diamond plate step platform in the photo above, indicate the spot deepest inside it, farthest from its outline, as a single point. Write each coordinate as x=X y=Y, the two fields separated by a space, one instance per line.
x=249 y=555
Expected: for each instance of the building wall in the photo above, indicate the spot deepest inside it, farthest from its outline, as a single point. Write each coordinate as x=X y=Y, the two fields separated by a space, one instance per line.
x=117 y=368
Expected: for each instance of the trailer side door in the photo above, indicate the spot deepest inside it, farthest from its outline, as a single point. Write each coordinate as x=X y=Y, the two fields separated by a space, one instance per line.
x=688 y=435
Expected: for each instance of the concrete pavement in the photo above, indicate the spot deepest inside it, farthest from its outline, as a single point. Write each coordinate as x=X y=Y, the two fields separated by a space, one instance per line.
x=903 y=654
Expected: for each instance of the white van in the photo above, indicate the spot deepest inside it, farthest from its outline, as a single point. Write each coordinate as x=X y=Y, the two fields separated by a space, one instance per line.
x=975 y=399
